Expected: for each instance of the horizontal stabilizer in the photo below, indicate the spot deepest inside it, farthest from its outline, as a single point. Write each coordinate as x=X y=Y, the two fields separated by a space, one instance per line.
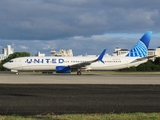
x=148 y=57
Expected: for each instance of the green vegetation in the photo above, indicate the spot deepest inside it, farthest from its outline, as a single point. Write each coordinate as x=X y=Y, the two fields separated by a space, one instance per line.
x=123 y=116
x=11 y=56
x=149 y=66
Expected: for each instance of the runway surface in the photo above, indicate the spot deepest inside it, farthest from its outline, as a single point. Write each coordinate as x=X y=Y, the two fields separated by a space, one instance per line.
x=82 y=79
x=64 y=99
x=63 y=94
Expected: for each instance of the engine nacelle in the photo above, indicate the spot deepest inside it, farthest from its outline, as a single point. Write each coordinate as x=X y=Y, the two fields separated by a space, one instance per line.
x=63 y=69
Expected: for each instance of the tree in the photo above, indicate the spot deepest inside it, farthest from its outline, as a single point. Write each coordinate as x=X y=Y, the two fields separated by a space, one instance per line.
x=11 y=56
x=157 y=61
x=130 y=69
x=148 y=66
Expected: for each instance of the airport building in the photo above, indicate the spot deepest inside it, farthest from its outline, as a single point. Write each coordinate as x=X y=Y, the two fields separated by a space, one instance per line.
x=6 y=52
x=61 y=52
x=157 y=51
x=2 y=57
x=119 y=51
x=151 y=52
x=40 y=54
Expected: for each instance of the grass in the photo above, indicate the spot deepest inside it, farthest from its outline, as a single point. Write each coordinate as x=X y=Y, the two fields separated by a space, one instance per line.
x=123 y=116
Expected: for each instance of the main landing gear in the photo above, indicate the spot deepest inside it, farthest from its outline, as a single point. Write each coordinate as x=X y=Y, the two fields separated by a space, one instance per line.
x=17 y=73
x=79 y=72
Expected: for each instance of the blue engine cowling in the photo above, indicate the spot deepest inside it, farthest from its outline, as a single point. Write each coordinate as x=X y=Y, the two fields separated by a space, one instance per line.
x=63 y=69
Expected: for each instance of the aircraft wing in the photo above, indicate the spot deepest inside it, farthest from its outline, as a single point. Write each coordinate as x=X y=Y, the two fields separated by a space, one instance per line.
x=84 y=64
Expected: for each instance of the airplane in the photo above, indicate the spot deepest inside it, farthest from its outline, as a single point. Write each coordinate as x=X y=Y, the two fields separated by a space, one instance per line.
x=135 y=57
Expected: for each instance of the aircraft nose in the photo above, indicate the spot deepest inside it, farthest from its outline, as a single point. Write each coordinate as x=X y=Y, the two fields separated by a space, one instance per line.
x=5 y=65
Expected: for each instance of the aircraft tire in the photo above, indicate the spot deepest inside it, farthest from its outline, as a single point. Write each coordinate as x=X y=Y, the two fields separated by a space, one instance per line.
x=17 y=73
x=79 y=73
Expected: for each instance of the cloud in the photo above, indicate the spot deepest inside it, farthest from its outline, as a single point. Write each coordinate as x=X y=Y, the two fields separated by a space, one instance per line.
x=23 y=47
x=49 y=20
x=80 y=25
x=48 y=47
x=81 y=45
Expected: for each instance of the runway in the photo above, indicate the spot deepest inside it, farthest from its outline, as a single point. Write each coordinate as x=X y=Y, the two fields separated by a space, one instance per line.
x=47 y=94
x=141 y=79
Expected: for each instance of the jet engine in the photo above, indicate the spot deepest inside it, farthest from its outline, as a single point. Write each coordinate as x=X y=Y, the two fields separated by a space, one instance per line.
x=63 y=69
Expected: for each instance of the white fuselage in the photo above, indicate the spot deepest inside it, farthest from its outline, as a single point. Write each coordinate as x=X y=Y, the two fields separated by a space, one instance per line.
x=50 y=63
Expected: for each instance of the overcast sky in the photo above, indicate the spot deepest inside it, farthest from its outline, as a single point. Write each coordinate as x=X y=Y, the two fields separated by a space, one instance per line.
x=85 y=26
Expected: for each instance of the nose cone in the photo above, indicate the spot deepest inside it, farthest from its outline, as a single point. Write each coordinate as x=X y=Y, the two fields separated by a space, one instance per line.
x=6 y=65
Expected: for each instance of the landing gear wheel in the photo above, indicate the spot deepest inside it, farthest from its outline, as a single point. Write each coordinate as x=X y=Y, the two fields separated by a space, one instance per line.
x=79 y=73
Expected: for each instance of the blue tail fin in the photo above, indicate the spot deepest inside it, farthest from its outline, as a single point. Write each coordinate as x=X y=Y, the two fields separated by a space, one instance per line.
x=141 y=48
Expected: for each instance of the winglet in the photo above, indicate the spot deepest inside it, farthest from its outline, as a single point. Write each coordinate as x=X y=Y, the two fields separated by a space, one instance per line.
x=101 y=56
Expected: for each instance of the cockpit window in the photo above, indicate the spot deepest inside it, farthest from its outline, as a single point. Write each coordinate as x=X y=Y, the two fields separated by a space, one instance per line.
x=11 y=61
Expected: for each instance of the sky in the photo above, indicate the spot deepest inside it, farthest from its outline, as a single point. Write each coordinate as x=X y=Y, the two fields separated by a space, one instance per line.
x=85 y=26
